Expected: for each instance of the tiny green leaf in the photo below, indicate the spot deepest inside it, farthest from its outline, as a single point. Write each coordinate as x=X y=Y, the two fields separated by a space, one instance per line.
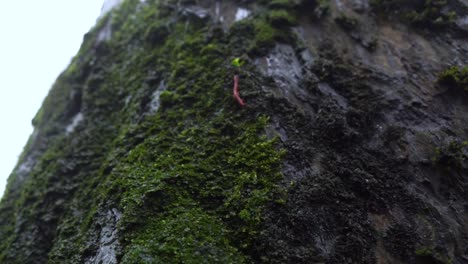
x=237 y=62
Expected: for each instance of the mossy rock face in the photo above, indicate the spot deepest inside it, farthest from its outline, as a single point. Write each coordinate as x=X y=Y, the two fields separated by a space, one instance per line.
x=187 y=235
x=426 y=14
x=142 y=153
x=192 y=179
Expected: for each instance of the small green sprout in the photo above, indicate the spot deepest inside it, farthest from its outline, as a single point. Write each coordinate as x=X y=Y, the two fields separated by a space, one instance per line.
x=237 y=62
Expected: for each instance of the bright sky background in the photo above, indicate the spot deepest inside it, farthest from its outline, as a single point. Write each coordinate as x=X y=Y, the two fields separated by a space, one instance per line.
x=38 y=38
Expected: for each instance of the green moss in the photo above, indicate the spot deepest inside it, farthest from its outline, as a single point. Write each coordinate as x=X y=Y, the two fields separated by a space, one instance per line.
x=38 y=118
x=281 y=18
x=254 y=36
x=213 y=158
x=183 y=235
x=168 y=98
x=262 y=31
x=282 y=4
x=428 y=13
x=231 y=177
x=423 y=252
x=264 y=34
x=156 y=33
x=428 y=255
x=451 y=155
x=456 y=77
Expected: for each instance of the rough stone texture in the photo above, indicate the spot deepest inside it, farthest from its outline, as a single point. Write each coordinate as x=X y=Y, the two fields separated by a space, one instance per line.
x=351 y=149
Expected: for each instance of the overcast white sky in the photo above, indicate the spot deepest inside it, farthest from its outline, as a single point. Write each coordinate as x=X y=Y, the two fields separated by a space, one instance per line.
x=38 y=38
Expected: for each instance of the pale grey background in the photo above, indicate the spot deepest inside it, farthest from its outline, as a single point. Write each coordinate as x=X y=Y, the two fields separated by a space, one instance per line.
x=38 y=38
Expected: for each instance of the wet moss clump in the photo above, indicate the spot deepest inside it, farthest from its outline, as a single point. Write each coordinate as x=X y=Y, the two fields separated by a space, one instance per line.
x=260 y=34
x=168 y=98
x=456 y=77
x=281 y=4
x=428 y=14
x=265 y=35
x=281 y=18
x=451 y=155
x=428 y=255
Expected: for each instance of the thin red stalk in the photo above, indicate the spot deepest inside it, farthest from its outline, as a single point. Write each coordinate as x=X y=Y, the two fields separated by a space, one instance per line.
x=235 y=91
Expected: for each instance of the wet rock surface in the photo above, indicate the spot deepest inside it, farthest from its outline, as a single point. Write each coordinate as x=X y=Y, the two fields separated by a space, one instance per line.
x=364 y=181
x=141 y=155
x=108 y=238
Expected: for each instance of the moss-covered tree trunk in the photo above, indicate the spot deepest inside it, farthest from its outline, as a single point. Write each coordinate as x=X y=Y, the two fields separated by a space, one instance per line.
x=348 y=149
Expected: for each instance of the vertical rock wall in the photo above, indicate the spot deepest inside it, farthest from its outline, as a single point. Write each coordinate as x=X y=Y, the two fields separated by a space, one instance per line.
x=351 y=147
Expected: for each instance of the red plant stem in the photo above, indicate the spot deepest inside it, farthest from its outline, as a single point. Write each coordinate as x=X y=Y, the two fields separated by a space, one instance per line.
x=235 y=91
